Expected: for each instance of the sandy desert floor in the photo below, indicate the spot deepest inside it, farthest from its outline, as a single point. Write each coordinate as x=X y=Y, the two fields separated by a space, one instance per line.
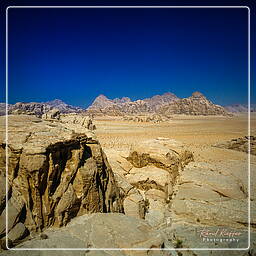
x=198 y=134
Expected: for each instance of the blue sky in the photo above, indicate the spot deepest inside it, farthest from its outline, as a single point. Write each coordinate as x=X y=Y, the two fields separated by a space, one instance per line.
x=76 y=54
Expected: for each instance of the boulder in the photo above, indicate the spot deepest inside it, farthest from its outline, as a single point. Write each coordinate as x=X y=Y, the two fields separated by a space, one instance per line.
x=51 y=114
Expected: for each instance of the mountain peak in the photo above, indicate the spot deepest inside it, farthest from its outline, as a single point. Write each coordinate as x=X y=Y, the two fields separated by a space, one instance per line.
x=55 y=102
x=197 y=94
x=101 y=97
x=101 y=102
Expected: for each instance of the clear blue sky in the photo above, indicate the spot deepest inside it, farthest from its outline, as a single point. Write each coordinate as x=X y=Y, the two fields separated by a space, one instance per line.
x=76 y=54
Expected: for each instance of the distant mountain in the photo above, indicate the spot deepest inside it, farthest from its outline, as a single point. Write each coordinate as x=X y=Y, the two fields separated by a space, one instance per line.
x=63 y=107
x=166 y=104
x=39 y=108
x=197 y=104
x=240 y=108
x=124 y=105
x=2 y=109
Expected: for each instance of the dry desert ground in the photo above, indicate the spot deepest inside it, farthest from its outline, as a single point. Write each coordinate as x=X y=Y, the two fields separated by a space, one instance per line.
x=197 y=133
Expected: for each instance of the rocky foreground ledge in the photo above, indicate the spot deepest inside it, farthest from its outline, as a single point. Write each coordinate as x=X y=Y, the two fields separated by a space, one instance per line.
x=56 y=171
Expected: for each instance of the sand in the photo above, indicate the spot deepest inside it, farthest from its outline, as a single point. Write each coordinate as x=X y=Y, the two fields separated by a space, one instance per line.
x=197 y=133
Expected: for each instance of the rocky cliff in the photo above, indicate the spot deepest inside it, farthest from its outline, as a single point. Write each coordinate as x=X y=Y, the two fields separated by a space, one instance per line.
x=56 y=171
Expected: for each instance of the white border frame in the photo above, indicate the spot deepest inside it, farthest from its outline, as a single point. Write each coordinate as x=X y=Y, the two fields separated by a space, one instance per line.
x=135 y=249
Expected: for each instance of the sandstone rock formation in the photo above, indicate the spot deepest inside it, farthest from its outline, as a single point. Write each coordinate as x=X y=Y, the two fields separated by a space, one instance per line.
x=240 y=144
x=55 y=172
x=52 y=114
x=212 y=199
x=197 y=104
x=146 y=176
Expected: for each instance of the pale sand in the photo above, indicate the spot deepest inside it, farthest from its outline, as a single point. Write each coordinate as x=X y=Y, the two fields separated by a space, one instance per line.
x=198 y=133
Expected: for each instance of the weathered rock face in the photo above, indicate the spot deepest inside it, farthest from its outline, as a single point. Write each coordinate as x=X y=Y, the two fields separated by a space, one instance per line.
x=212 y=199
x=197 y=104
x=55 y=173
x=146 y=176
x=240 y=144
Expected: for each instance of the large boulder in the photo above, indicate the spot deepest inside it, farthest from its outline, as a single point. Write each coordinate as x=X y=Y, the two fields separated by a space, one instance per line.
x=51 y=114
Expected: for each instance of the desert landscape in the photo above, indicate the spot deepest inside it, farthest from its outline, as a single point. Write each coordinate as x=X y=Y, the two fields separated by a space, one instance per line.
x=159 y=176
x=127 y=130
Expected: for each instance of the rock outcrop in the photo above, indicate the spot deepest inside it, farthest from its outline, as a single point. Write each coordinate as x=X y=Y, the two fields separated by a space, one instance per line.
x=240 y=144
x=56 y=171
x=197 y=104
x=146 y=176
x=52 y=114
x=77 y=120
x=210 y=206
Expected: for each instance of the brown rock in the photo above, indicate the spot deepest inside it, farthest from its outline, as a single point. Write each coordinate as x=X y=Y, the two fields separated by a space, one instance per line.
x=55 y=173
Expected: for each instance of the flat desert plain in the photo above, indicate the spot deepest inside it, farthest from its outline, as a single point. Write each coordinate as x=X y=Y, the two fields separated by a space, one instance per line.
x=197 y=133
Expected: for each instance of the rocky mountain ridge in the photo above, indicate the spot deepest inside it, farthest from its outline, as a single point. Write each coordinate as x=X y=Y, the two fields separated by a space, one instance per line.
x=166 y=104
x=240 y=108
x=39 y=108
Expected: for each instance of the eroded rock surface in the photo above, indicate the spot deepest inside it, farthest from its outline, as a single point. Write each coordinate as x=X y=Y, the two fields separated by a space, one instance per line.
x=146 y=176
x=97 y=230
x=240 y=144
x=54 y=173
